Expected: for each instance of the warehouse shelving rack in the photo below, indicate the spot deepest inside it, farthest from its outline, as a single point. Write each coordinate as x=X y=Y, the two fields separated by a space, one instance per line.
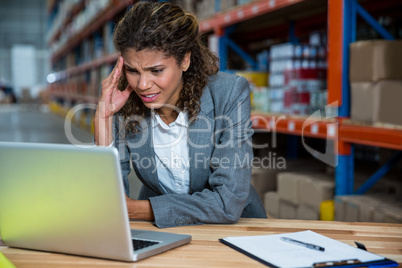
x=341 y=130
x=345 y=133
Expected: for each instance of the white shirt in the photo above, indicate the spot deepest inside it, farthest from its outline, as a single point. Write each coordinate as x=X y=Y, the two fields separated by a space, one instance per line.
x=172 y=153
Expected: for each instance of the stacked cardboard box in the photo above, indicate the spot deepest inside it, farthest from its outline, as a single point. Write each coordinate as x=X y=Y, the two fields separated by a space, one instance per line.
x=263 y=180
x=376 y=81
x=299 y=195
x=368 y=208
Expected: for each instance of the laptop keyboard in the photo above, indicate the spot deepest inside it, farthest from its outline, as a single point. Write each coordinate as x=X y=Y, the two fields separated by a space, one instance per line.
x=139 y=244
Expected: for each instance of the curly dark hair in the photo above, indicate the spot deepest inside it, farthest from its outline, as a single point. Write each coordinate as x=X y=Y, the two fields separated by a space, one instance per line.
x=166 y=28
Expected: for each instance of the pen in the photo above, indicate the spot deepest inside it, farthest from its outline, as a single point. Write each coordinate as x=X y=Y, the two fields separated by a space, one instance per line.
x=304 y=244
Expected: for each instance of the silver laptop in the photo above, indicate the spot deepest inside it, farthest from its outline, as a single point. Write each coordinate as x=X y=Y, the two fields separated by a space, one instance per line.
x=62 y=198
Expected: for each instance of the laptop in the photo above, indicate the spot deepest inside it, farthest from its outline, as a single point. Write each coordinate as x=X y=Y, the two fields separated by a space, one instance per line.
x=66 y=199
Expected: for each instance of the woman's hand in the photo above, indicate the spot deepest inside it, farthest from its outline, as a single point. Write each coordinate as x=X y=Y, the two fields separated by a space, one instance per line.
x=112 y=99
x=139 y=209
x=110 y=102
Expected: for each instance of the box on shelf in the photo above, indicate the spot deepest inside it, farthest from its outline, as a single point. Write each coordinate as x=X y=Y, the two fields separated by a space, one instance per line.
x=259 y=79
x=368 y=208
x=260 y=99
x=378 y=216
x=375 y=60
x=271 y=204
x=289 y=186
x=352 y=206
x=287 y=210
x=263 y=180
x=307 y=213
x=377 y=102
x=339 y=208
x=316 y=189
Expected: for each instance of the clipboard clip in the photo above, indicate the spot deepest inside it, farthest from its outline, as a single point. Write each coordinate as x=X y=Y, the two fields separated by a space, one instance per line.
x=336 y=263
x=361 y=246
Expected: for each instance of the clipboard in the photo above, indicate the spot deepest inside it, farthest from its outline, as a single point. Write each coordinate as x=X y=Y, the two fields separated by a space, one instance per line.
x=254 y=246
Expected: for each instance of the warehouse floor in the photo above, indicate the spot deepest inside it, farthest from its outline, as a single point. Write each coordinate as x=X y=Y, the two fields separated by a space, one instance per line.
x=34 y=123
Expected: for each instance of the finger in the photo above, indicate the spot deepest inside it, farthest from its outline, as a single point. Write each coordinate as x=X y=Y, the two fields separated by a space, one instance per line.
x=128 y=91
x=116 y=78
x=120 y=63
x=119 y=60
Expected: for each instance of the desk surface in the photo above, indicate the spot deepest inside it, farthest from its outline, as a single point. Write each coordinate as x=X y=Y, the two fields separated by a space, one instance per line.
x=205 y=250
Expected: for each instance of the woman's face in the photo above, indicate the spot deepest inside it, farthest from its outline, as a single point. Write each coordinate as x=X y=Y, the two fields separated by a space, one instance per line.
x=157 y=80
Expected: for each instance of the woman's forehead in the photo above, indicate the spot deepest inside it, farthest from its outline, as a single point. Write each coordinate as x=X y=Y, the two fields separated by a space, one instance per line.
x=147 y=57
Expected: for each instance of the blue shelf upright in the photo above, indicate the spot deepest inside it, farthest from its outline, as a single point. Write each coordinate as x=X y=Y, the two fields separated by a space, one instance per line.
x=345 y=12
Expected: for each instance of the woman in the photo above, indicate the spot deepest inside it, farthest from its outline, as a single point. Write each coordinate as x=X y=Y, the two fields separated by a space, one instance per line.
x=185 y=126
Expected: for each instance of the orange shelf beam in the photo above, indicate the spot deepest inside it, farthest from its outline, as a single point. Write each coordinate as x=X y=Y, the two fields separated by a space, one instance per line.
x=306 y=127
x=372 y=136
x=242 y=13
x=344 y=132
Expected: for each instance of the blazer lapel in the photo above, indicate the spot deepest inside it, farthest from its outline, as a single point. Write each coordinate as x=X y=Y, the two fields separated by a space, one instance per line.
x=200 y=139
x=143 y=155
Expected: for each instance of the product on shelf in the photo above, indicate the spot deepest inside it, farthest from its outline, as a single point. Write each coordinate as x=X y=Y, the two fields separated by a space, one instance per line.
x=80 y=21
x=368 y=208
x=377 y=102
x=375 y=60
x=259 y=89
x=297 y=73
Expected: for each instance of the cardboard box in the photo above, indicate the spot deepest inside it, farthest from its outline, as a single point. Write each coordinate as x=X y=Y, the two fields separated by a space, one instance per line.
x=287 y=210
x=271 y=204
x=289 y=186
x=263 y=180
x=375 y=60
x=366 y=213
x=393 y=215
x=368 y=206
x=377 y=102
x=351 y=209
x=392 y=209
x=378 y=216
x=317 y=189
x=307 y=213
x=340 y=208
x=362 y=99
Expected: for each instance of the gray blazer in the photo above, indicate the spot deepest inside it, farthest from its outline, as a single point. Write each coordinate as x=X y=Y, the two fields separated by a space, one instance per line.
x=220 y=154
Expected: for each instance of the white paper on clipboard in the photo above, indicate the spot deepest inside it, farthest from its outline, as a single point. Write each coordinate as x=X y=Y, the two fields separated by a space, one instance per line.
x=273 y=250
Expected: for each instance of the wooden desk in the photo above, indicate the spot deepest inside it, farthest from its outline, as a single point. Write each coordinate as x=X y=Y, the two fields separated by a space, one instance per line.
x=205 y=250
